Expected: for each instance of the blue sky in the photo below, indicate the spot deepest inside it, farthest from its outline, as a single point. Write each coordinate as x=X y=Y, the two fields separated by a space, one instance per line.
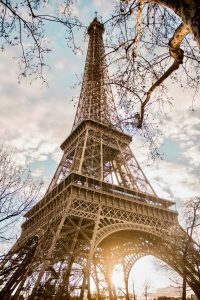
x=36 y=119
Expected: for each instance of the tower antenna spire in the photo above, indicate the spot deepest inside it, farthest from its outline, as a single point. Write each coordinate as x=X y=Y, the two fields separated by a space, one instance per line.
x=96 y=100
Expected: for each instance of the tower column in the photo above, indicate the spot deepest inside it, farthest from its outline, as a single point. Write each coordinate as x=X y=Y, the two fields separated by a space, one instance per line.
x=96 y=279
x=83 y=151
x=51 y=249
x=90 y=254
x=125 y=278
x=66 y=274
x=109 y=283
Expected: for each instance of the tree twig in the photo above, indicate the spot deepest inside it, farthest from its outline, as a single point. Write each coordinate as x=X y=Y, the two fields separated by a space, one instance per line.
x=177 y=54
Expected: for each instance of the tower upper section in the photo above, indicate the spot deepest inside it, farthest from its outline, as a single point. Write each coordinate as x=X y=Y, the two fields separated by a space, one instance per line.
x=96 y=99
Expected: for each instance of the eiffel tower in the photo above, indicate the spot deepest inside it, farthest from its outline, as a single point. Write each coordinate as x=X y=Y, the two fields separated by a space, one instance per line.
x=99 y=210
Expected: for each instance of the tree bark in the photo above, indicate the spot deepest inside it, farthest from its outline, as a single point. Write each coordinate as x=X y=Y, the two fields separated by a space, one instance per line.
x=184 y=288
x=188 y=11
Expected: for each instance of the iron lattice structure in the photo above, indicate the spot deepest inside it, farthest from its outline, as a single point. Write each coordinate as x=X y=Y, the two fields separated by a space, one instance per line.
x=99 y=210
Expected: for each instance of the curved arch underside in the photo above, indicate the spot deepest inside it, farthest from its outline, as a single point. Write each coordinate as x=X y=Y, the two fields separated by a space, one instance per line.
x=127 y=246
x=117 y=243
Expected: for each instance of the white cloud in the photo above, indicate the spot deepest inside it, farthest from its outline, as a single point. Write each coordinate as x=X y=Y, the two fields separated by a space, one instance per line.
x=37 y=172
x=174 y=179
x=193 y=155
x=34 y=120
x=56 y=156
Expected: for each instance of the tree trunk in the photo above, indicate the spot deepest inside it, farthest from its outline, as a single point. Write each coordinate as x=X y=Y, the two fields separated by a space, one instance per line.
x=184 y=288
x=188 y=11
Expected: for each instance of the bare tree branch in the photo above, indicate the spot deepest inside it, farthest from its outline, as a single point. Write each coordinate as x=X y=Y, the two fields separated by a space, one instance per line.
x=23 y=24
x=18 y=192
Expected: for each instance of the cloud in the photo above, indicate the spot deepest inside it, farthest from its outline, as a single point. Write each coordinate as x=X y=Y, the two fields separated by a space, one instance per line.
x=167 y=180
x=38 y=172
x=56 y=156
x=34 y=120
x=192 y=155
x=177 y=176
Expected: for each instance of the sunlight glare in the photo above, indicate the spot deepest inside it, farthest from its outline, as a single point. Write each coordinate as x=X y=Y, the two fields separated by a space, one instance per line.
x=118 y=276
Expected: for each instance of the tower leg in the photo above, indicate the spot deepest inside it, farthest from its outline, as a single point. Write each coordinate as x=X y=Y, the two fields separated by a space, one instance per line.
x=86 y=274
x=88 y=286
x=126 y=288
x=64 y=285
x=90 y=254
x=66 y=275
x=19 y=288
x=96 y=280
x=18 y=265
x=50 y=252
x=109 y=283
x=114 y=292
x=125 y=278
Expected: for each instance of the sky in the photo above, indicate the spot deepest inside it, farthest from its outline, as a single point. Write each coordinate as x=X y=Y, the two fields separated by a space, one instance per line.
x=35 y=119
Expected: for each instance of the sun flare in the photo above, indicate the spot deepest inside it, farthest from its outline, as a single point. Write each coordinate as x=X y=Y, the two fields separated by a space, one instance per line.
x=118 y=277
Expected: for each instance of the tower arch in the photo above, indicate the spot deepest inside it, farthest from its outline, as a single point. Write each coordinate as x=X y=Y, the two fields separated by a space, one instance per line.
x=136 y=242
